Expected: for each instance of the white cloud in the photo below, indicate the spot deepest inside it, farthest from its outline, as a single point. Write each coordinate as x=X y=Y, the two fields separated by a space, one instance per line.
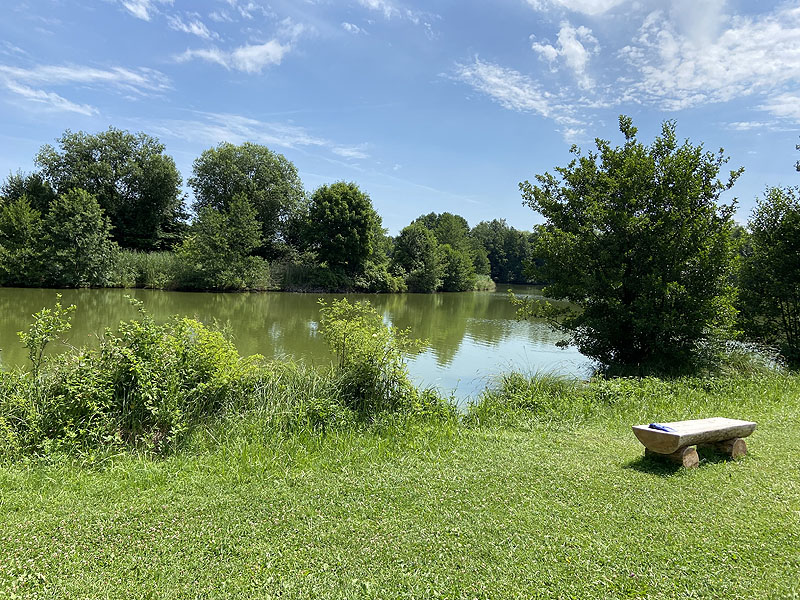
x=747 y=125
x=213 y=128
x=353 y=152
x=220 y=16
x=142 y=9
x=514 y=91
x=50 y=99
x=388 y=9
x=786 y=105
x=391 y=10
x=351 y=28
x=587 y=7
x=249 y=59
x=192 y=27
x=748 y=55
x=141 y=81
x=248 y=9
x=571 y=49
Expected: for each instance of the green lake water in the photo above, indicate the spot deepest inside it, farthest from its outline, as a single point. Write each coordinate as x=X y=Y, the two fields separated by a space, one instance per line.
x=474 y=335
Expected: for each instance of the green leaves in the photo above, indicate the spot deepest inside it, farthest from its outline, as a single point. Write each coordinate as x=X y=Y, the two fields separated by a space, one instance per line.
x=342 y=227
x=636 y=237
x=770 y=275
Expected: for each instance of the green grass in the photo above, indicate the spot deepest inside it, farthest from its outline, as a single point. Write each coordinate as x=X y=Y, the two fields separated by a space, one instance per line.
x=534 y=506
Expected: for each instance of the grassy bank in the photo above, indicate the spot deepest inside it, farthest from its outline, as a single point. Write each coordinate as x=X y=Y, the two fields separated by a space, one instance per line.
x=164 y=465
x=533 y=505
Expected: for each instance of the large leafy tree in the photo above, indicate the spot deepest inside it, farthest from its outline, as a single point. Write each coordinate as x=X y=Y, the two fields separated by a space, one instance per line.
x=770 y=275
x=268 y=180
x=343 y=227
x=136 y=184
x=637 y=238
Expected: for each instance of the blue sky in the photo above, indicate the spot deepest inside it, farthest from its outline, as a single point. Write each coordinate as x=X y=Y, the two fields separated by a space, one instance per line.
x=429 y=106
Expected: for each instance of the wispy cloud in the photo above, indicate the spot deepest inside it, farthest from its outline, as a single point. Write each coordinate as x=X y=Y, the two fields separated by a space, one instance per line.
x=140 y=81
x=30 y=84
x=386 y=7
x=393 y=10
x=575 y=47
x=249 y=59
x=143 y=9
x=193 y=26
x=515 y=91
x=353 y=152
x=351 y=28
x=248 y=9
x=587 y=7
x=785 y=105
x=51 y=100
x=213 y=128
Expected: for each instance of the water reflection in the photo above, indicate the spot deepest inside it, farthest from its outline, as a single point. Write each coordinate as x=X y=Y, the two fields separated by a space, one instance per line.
x=472 y=335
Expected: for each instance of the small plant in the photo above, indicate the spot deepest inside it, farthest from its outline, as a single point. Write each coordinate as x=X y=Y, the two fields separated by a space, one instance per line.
x=48 y=325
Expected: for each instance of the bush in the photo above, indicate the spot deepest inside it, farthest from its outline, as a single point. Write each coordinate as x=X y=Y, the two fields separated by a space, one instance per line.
x=218 y=252
x=77 y=246
x=370 y=357
x=147 y=386
x=21 y=261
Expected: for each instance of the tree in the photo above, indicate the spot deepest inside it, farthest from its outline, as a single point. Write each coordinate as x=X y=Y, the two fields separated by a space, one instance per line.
x=342 y=227
x=458 y=270
x=217 y=253
x=268 y=180
x=770 y=275
x=32 y=186
x=635 y=237
x=20 y=243
x=506 y=249
x=416 y=253
x=135 y=183
x=77 y=244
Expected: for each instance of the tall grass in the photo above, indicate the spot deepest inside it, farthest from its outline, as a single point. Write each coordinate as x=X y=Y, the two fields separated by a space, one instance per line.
x=152 y=270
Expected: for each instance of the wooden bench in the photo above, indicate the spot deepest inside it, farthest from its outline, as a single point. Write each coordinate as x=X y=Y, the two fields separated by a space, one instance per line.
x=676 y=440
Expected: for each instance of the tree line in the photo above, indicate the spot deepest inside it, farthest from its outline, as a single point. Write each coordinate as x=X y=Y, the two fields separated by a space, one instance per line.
x=108 y=210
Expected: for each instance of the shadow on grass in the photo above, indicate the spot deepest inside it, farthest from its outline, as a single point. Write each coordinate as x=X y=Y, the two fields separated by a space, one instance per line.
x=664 y=468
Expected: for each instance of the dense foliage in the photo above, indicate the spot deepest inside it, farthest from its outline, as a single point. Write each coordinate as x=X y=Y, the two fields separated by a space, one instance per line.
x=149 y=384
x=770 y=275
x=507 y=250
x=637 y=238
x=218 y=252
x=268 y=180
x=343 y=227
x=134 y=182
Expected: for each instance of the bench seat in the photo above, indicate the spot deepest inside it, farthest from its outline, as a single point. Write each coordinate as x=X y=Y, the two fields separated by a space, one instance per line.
x=689 y=433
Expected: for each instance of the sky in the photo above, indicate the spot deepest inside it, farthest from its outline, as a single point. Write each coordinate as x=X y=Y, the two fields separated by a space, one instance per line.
x=443 y=105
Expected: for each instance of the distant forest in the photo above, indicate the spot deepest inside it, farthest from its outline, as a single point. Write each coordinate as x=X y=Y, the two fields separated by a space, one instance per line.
x=108 y=210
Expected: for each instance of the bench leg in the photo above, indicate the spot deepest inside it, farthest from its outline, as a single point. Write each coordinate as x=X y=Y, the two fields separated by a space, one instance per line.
x=735 y=448
x=686 y=457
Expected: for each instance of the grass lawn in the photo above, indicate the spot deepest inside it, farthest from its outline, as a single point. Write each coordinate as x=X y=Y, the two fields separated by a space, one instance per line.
x=540 y=510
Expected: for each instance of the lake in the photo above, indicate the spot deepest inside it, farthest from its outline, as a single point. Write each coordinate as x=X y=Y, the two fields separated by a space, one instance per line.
x=473 y=335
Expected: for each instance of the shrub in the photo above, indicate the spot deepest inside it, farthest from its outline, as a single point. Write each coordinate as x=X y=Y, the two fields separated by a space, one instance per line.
x=370 y=357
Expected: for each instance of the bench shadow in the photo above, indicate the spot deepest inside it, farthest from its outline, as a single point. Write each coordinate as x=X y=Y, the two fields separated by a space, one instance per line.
x=662 y=467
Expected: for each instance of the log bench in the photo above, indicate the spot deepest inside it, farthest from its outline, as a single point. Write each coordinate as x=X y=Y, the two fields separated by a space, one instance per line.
x=676 y=440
